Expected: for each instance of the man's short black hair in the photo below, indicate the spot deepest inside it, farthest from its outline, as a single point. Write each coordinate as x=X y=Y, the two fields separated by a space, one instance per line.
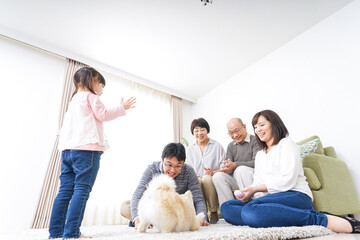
x=174 y=150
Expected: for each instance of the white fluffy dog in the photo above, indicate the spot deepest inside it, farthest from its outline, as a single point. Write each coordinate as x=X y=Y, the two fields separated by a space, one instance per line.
x=167 y=210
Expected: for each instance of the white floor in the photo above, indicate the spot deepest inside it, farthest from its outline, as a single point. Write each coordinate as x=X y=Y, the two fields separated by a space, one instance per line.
x=124 y=232
x=328 y=237
x=221 y=230
x=337 y=237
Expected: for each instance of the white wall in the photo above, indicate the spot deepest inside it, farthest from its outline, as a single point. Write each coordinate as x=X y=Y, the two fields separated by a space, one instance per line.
x=31 y=88
x=312 y=83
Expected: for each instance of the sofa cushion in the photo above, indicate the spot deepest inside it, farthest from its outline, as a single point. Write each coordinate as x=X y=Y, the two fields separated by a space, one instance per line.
x=308 y=147
x=312 y=179
x=319 y=150
x=330 y=152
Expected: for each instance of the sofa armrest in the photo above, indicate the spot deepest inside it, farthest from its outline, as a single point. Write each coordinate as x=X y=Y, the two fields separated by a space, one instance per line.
x=337 y=193
x=312 y=179
x=331 y=172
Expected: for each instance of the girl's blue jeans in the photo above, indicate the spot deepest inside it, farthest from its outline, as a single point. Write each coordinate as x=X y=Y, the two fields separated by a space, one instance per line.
x=289 y=208
x=78 y=173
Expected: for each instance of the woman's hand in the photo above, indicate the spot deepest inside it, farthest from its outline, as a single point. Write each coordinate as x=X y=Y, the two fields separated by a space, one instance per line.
x=128 y=103
x=250 y=191
x=208 y=171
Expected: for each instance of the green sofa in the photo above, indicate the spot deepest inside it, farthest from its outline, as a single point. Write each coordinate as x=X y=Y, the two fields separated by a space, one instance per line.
x=329 y=180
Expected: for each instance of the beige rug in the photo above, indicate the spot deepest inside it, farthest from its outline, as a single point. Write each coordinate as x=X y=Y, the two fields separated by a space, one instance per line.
x=221 y=231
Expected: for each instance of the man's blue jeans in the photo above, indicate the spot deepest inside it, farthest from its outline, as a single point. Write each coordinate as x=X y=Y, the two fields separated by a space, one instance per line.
x=289 y=208
x=78 y=173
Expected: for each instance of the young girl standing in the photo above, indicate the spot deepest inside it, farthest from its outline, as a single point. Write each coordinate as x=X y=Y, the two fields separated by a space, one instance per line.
x=82 y=142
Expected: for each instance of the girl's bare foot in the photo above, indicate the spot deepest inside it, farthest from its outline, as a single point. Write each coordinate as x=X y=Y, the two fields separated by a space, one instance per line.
x=85 y=236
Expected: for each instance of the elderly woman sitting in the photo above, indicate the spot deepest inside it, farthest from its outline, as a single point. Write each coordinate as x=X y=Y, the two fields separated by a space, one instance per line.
x=206 y=156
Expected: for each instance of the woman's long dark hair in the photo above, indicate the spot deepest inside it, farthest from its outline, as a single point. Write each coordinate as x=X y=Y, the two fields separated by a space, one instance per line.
x=84 y=77
x=279 y=131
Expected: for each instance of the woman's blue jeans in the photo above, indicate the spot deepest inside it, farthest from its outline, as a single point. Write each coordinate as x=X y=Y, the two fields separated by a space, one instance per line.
x=78 y=173
x=289 y=208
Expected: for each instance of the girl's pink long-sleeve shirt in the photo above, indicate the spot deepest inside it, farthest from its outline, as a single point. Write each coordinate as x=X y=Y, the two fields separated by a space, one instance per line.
x=83 y=123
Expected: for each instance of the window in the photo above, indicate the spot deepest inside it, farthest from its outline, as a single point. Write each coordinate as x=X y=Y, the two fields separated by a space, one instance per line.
x=136 y=140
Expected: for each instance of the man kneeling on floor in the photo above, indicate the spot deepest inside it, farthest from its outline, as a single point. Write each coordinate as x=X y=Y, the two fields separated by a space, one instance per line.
x=172 y=164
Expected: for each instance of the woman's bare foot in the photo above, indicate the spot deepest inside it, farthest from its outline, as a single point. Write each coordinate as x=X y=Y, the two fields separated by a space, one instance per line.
x=338 y=224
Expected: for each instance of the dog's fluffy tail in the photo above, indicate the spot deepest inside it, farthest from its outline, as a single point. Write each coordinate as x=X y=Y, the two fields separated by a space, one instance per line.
x=162 y=182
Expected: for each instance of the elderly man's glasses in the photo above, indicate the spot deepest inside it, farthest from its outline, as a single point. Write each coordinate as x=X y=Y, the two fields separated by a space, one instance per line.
x=233 y=132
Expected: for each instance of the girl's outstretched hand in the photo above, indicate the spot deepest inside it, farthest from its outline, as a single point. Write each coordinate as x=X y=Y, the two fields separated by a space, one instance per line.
x=128 y=103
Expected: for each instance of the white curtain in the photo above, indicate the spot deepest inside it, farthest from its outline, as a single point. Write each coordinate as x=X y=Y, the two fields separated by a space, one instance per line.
x=176 y=109
x=136 y=140
x=51 y=183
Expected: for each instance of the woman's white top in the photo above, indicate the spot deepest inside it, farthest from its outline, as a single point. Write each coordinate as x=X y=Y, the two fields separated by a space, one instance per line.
x=213 y=157
x=281 y=169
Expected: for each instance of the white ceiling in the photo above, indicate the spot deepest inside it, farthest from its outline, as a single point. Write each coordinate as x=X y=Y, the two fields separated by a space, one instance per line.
x=179 y=45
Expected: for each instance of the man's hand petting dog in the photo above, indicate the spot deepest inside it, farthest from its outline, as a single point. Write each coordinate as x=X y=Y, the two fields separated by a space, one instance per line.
x=137 y=222
x=204 y=223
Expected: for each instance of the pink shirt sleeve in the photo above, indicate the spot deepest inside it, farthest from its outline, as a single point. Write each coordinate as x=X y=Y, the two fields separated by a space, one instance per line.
x=100 y=112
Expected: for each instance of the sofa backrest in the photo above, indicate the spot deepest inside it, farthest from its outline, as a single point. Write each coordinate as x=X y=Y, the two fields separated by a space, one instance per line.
x=308 y=142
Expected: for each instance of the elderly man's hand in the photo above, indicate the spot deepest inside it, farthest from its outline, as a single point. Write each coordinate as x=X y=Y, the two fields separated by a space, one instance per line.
x=204 y=223
x=229 y=166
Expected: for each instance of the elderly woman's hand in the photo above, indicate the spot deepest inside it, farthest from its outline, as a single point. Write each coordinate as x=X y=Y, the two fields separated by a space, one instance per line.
x=208 y=171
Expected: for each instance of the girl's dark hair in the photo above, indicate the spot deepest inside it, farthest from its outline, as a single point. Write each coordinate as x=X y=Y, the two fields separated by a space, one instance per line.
x=174 y=150
x=279 y=131
x=200 y=122
x=85 y=76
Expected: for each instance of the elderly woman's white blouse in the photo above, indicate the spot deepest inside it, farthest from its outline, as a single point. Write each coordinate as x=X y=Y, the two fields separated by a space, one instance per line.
x=213 y=157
